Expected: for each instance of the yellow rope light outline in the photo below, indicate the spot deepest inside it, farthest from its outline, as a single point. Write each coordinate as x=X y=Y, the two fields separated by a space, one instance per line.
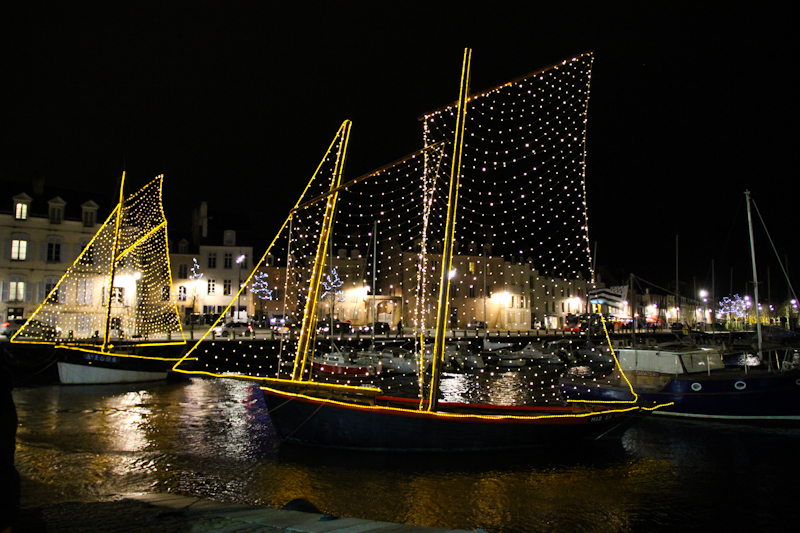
x=92 y=348
x=413 y=412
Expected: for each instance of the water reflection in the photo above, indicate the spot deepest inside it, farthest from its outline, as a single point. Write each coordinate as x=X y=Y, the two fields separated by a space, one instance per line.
x=213 y=438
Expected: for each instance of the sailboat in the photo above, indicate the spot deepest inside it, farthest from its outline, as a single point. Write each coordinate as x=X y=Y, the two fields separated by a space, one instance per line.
x=112 y=315
x=697 y=383
x=422 y=192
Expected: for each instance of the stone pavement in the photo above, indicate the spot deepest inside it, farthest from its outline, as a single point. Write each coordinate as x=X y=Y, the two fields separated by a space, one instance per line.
x=169 y=513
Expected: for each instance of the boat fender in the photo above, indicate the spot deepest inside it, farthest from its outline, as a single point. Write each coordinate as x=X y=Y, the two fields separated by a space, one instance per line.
x=696 y=387
x=740 y=385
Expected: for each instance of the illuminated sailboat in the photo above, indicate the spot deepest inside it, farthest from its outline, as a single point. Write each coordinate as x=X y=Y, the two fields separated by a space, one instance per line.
x=419 y=194
x=112 y=314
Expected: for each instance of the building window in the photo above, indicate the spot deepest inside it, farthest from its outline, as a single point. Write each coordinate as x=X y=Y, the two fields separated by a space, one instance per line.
x=472 y=291
x=16 y=291
x=56 y=214
x=183 y=271
x=53 y=250
x=182 y=293
x=212 y=260
x=88 y=218
x=118 y=295
x=21 y=211
x=19 y=249
x=212 y=286
x=84 y=292
x=228 y=261
x=226 y=287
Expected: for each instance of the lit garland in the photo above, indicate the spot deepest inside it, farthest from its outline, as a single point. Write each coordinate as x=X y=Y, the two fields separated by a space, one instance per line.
x=142 y=303
x=522 y=217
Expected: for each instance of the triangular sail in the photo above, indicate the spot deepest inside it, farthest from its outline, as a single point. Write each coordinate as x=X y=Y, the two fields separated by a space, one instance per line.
x=82 y=312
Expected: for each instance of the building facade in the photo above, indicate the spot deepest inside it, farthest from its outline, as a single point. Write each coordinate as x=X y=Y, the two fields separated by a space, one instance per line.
x=42 y=233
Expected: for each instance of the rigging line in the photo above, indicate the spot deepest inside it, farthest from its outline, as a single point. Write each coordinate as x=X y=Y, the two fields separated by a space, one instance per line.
x=764 y=225
x=364 y=177
x=270 y=411
x=321 y=405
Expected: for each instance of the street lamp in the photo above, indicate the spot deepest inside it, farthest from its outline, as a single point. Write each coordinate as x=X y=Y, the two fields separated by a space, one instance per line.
x=239 y=261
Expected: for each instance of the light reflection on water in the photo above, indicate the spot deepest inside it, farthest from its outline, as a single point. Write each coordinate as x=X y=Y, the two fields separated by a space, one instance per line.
x=213 y=438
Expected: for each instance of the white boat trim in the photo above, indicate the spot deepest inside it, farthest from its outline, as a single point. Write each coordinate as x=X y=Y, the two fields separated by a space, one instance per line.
x=72 y=374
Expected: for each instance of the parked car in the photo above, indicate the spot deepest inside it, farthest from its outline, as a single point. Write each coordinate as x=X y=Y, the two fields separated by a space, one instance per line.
x=9 y=327
x=324 y=326
x=35 y=328
x=381 y=328
x=234 y=328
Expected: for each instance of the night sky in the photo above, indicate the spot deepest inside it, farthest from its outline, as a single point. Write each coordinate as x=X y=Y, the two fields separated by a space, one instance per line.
x=236 y=103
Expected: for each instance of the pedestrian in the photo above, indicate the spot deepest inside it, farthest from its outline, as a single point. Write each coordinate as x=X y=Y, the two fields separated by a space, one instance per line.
x=400 y=328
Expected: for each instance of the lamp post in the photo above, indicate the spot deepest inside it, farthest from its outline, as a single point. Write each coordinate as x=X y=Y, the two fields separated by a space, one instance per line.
x=239 y=261
x=704 y=296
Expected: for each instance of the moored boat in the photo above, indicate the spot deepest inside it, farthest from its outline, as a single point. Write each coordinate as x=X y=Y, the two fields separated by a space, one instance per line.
x=112 y=315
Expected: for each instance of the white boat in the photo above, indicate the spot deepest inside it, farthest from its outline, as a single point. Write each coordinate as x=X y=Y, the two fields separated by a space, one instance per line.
x=534 y=355
x=346 y=361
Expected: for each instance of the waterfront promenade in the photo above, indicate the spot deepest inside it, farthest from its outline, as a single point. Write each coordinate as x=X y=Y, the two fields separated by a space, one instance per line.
x=169 y=513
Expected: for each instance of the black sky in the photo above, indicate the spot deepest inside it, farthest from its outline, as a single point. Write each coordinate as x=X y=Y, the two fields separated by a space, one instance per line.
x=236 y=102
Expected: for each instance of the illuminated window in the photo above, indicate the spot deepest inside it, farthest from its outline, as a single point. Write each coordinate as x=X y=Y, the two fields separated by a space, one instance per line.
x=84 y=292
x=21 y=211
x=226 y=287
x=16 y=291
x=19 y=249
x=118 y=295
x=182 y=293
x=212 y=286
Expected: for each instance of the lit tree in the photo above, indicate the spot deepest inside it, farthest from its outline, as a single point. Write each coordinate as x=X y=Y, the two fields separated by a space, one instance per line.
x=260 y=286
x=194 y=276
x=332 y=285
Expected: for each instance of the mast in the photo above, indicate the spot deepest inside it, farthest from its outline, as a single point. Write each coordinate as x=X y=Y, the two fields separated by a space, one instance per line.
x=447 y=255
x=755 y=274
x=319 y=261
x=114 y=251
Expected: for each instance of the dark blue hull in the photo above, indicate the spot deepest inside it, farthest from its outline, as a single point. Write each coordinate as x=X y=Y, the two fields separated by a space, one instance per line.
x=402 y=428
x=725 y=395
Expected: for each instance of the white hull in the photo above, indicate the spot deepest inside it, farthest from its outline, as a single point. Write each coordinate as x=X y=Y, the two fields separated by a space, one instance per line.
x=72 y=374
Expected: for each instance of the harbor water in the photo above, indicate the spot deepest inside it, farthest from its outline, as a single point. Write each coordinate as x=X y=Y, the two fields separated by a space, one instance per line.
x=212 y=438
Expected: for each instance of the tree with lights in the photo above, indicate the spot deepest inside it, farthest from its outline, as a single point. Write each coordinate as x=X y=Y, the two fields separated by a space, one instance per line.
x=332 y=285
x=194 y=276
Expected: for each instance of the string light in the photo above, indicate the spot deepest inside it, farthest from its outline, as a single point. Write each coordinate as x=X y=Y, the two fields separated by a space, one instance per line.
x=521 y=228
x=141 y=300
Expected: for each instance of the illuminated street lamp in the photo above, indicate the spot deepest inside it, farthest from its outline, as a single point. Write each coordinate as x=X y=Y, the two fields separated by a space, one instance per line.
x=239 y=261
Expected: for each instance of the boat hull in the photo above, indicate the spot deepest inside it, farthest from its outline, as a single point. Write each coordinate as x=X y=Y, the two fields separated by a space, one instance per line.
x=755 y=396
x=318 y=422
x=82 y=368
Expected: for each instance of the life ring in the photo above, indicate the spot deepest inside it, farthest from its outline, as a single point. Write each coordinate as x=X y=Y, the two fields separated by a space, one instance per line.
x=740 y=385
x=696 y=387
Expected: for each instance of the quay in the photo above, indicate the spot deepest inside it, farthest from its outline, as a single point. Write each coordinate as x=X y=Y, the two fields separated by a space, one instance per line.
x=171 y=513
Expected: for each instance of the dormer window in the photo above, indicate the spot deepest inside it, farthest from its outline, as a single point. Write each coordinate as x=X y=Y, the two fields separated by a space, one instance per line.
x=22 y=204
x=89 y=210
x=56 y=210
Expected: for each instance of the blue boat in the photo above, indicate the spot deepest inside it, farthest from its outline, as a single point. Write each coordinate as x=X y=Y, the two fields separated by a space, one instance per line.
x=697 y=384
